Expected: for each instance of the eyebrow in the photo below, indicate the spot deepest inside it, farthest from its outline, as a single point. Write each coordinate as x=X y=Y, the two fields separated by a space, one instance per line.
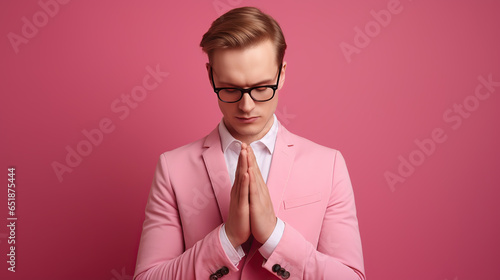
x=261 y=83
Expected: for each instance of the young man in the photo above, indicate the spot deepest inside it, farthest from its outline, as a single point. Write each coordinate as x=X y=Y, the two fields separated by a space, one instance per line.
x=250 y=200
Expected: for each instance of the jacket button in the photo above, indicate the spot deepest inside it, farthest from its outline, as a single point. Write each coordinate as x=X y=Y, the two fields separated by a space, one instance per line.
x=285 y=275
x=213 y=277
x=224 y=270
x=281 y=271
x=276 y=268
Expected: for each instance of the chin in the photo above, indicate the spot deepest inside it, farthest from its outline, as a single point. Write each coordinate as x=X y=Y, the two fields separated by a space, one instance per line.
x=249 y=131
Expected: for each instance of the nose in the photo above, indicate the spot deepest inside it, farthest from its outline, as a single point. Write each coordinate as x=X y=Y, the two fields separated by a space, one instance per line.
x=246 y=104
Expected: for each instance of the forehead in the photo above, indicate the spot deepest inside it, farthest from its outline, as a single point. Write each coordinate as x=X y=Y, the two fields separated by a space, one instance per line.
x=245 y=66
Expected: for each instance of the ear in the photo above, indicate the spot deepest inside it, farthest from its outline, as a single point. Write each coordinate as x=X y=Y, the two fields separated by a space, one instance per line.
x=282 y=76
x=207 y=65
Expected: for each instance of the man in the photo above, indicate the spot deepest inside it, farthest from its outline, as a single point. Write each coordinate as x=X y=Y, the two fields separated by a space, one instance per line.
x=250 y=200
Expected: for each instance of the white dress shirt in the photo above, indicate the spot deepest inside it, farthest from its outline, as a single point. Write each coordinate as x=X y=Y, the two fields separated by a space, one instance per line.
x=263 y=150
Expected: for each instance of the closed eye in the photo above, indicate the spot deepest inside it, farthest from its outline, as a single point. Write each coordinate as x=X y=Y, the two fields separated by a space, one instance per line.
x=261 y=89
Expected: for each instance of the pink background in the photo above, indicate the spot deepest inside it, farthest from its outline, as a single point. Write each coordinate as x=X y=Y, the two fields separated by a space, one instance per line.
x=439 y=221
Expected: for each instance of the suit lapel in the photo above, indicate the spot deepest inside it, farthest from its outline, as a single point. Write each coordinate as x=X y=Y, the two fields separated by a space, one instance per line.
x=217 y=171
x=281 y=166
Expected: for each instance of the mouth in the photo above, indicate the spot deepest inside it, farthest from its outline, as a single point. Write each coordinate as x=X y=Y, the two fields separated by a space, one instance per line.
x=247 y=120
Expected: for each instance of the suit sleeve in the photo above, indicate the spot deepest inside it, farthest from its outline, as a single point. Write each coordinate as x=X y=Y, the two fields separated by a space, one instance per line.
x=338 y=254
x=161 y=252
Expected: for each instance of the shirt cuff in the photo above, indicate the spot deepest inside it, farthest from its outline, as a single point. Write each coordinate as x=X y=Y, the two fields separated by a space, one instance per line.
x=234 y=254
x=272 y=242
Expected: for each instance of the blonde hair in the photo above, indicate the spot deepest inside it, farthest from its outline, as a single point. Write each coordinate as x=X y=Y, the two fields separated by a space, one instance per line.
x=243 y=27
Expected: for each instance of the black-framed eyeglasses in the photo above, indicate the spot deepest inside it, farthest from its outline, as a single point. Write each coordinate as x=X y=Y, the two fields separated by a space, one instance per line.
x=234 y=94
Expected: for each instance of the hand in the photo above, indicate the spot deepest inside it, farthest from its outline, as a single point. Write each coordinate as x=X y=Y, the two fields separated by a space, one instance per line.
x=262 y=216
x=238 y=221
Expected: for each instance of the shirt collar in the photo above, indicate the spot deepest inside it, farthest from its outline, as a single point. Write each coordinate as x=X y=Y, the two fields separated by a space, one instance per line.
x=269 y=140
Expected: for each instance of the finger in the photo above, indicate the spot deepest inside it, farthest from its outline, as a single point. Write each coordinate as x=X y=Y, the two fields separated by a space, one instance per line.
x=239 y=178
x=253 y=186
x=252 y=161
x=241 y=168
x=244 y=188
x=235 y=190
x=243 y=162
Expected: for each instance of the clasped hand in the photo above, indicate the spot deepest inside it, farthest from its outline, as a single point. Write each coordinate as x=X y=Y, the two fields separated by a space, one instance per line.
x=251 y=210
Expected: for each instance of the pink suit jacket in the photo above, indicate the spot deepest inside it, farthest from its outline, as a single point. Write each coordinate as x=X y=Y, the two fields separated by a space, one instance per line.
x=189 y=201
